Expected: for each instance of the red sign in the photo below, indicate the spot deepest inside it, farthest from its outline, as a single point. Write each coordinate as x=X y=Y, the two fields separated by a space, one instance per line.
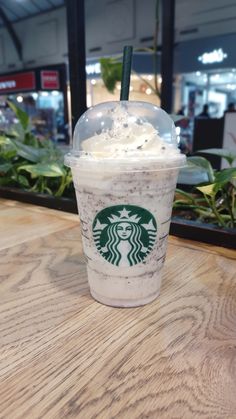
x=17 y=82
x=50 y=80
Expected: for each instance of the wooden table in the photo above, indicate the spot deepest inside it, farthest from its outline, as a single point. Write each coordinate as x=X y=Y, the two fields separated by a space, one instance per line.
x=63 y=355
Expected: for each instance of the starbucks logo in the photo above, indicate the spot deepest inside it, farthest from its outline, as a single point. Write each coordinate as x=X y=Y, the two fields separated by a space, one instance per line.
x=124 y=234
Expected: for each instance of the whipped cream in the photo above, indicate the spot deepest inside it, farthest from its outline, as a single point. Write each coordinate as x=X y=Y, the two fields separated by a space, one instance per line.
x=126 y=141
x=123 y=141
x=129 y=136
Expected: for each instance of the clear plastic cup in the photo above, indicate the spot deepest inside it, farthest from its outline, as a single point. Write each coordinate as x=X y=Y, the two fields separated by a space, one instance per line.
x=125 y=162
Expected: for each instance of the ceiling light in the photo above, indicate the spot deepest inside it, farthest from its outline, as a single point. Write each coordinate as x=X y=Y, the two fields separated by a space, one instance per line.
x=93 y=82
x=148 y=91
x=19 y=99
x=134 y=77
x=216 y=76
x=230 y=86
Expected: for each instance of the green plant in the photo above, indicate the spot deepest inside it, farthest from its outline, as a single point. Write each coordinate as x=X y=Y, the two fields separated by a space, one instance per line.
x=215 y=200
x=30 y=163
x=111 y=72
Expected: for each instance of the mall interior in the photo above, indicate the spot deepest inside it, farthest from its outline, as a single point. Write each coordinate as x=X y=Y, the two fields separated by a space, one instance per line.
x=37 y=79
x=117 y=209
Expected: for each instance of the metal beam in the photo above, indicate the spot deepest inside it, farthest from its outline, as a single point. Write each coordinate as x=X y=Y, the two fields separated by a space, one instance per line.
x=13 y=35
x=77 y=57
x=167 y=57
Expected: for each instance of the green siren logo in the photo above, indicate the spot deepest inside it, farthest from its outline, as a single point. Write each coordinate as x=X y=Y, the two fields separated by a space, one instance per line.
x=124 y=234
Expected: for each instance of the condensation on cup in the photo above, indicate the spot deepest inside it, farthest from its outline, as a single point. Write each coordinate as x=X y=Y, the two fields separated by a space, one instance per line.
x=125 y=162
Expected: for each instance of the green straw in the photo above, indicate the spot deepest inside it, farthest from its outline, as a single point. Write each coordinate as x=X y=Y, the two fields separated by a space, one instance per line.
x=126 y=70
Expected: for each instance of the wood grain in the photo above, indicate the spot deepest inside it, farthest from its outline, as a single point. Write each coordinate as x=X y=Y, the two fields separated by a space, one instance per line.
x=64 y=355
x=18 y=223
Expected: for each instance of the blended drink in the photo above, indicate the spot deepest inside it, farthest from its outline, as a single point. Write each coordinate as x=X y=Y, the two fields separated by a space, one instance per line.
x=125 y=163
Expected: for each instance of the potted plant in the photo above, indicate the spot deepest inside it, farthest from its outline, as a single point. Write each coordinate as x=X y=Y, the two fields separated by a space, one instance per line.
x=32 y=169
x=208 y=212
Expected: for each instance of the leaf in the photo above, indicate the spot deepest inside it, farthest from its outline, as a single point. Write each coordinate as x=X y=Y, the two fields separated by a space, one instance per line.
x=186 y=195
x=4 y=140
x=182 y=205
x=208 y=189
x=31 y=140
x=14 y=132
x=5 y=180
x=221 y=152
x=20 y=114
x=28 y=152
x=203 y=164
x=17 y=131
x=48 y=190
x=7 y=148
x=23 y=181
x=46 y=170
x=8 y=152
x=5 y=167
x=225 y=175
x=111 y=72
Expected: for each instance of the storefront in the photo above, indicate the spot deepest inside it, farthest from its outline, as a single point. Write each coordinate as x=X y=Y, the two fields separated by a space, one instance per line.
x=42 y=93
x=206 y=74
x=141 y=85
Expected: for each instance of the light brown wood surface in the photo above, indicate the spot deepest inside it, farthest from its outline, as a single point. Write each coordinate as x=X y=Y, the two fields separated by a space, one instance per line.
x=63 y=355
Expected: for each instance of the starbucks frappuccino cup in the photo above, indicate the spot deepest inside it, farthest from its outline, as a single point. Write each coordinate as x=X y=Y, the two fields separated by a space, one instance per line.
x=125 y=162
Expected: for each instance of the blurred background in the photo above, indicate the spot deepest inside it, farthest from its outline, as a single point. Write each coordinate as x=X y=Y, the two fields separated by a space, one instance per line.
x=189 y=46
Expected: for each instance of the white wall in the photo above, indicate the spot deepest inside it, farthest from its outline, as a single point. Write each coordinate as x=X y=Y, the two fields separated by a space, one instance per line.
x=109 y=25
x=204 y=18
x=112 y=23
x=44 y=41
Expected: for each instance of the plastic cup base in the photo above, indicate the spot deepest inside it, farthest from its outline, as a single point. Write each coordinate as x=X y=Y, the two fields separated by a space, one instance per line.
x=113 y=302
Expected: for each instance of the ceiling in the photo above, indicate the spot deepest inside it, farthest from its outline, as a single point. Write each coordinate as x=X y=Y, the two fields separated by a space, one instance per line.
x=193 y=18
x=16 y=10
x=204 y=18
